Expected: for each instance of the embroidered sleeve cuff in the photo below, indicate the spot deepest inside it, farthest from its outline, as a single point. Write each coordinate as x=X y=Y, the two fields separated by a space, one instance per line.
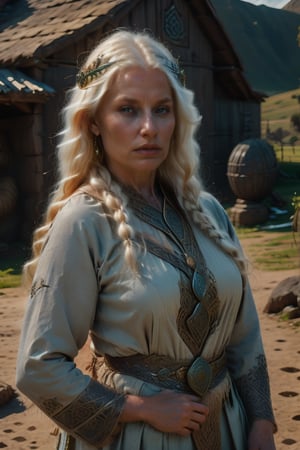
x=91 y=417
x=254 y=390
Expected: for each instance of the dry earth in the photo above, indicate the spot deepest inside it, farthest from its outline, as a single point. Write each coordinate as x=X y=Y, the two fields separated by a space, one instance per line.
x=24 y=427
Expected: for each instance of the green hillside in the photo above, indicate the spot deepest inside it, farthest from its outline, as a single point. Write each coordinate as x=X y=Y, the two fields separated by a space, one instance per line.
x=265 y=40
x=277 y=110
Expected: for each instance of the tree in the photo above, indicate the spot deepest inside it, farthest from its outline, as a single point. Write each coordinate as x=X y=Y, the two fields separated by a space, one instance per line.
x=268 y=131
x=278 y=135
x=295 y=119
x=292 y=142
x=297 y=97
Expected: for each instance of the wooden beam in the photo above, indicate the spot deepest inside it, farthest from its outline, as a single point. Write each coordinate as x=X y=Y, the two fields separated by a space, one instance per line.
x=18 y=97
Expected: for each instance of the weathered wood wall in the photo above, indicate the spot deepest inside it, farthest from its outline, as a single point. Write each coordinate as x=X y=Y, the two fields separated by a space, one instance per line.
x=226 y=120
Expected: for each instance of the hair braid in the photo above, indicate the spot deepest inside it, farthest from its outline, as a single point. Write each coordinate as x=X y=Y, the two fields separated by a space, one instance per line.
x=109 y=193
x=200 y=218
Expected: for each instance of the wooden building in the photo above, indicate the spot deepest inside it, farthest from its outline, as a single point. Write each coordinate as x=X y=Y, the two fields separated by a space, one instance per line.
x=41 y=42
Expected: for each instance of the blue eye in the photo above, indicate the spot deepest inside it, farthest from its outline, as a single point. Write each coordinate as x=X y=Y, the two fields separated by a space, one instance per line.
x=127 y=109
x=163 y=110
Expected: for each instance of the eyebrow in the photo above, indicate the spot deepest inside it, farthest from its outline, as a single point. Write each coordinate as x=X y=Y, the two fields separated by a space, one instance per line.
x=134 y=100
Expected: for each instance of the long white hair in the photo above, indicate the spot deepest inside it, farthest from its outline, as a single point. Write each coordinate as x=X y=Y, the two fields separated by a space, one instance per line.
x=79 y=167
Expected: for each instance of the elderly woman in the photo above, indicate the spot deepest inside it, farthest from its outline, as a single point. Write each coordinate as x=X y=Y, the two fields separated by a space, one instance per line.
x=135 y=254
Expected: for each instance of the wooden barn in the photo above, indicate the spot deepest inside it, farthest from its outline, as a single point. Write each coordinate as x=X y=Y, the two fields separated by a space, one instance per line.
x=41 y=42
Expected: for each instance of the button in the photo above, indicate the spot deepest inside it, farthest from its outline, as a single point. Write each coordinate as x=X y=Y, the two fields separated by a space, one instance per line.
x=190 y=261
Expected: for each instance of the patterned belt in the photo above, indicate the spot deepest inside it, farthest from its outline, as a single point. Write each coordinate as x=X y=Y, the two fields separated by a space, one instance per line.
x=197 y=377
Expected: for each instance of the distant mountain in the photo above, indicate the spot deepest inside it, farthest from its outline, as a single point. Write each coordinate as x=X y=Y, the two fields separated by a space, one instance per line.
x=293 y=6
x=266 y=41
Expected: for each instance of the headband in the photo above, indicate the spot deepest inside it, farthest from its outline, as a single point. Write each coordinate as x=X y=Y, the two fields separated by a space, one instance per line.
x=88 y=74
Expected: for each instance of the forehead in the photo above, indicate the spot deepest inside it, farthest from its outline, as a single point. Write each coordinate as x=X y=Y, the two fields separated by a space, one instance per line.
x=137 y=80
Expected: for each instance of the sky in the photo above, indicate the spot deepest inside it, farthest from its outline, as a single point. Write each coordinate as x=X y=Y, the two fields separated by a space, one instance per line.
x=271 y=3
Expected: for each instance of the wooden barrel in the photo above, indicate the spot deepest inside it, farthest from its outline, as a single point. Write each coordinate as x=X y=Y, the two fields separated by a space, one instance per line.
x=252 y=169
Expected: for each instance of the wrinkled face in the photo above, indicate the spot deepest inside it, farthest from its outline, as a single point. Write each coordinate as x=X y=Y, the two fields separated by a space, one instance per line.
x=136 y=121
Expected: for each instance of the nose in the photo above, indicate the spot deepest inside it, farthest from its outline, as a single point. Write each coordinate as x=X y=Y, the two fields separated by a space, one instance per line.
x=148 y=125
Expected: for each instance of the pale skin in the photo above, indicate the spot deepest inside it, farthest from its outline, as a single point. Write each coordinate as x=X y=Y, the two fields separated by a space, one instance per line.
x=136 y=121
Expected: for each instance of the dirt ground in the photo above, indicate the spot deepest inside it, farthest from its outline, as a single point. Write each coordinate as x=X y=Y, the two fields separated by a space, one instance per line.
x=24 y=427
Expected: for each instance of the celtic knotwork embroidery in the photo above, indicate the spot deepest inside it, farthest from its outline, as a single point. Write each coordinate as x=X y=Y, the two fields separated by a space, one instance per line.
x=254 y=390
x=198 y=313
x=92 y=416
x=51 y=406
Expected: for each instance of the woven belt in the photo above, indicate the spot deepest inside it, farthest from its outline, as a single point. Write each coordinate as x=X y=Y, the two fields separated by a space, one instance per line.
x=197 y=377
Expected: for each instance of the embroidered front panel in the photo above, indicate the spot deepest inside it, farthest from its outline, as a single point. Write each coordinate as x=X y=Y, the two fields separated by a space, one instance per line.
x=199 y=308
x=192 y=318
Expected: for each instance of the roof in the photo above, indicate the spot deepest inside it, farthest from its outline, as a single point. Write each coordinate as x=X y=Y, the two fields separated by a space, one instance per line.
x=15 y=85
x=32 y=30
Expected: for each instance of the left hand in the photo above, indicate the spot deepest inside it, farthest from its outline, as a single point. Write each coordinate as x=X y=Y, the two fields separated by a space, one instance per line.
x=261 y=436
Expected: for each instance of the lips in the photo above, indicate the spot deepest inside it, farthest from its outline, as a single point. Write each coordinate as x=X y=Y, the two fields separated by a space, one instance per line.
x=148 y=148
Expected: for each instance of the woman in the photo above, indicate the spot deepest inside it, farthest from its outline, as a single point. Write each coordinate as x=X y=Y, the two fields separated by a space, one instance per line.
x=134 y=254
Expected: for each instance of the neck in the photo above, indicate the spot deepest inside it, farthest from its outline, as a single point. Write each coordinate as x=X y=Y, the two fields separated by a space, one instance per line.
x=150 y=196
x=145 y=187
x=148 y=192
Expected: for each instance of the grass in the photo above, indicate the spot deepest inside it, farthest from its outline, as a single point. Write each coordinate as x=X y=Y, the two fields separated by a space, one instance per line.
x=12 y=258
x=277 y=249
x=281 y=106
x=277 y=110
x=9 y=279
x=288 y=155
x=273 y=251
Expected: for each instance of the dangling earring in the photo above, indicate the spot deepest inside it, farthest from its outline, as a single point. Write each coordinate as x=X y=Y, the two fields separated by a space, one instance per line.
x=98 y=147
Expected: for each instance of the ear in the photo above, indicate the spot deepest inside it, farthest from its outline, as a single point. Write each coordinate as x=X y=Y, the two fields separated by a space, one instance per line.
x=94 y=129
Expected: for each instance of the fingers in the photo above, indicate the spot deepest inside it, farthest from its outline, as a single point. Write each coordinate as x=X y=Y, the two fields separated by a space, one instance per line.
x=174 y=412
x=199 y=417
x=196 y=418
x=202 y=409
x=193 y=426
x=190 y=428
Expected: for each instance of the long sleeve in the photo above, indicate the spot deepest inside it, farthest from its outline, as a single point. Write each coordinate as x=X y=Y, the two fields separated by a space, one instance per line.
x=59 y=315
x=247 y=362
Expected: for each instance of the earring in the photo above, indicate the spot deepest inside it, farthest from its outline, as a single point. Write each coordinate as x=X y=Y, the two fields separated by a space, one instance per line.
x=98 y=147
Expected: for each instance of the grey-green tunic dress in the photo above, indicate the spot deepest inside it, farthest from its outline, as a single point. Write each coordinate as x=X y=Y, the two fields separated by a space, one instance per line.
x=82 y=287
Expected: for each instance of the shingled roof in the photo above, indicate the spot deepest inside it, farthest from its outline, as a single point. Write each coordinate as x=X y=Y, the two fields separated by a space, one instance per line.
x=32 y=30
x=17 y=86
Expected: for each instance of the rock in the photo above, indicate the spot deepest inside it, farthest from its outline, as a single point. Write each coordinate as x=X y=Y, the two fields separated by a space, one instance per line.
x=286 y=293
x=290 y=312
x=6 y=393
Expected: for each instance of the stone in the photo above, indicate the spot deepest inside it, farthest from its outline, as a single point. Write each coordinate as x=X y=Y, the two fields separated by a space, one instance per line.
x=6 y=393
x=286 y=293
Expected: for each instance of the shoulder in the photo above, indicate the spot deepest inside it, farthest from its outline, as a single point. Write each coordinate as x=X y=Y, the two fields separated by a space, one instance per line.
x=216 y=212
x=80 y=227
x=210 y=204
x=81 y=214
x=80 y=207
